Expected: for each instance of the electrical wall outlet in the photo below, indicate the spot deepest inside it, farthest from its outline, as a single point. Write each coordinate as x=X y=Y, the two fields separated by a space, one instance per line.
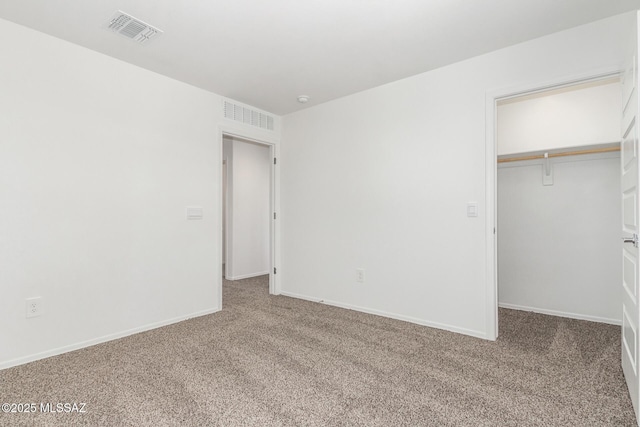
x=360 y=275
x=34 y=307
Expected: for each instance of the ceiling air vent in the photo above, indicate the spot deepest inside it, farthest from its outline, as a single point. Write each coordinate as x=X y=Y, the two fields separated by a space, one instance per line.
x=132 y=28
x=246 y=115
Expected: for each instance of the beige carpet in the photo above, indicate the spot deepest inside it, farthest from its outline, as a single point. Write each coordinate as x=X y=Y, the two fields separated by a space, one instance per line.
x=278 y=361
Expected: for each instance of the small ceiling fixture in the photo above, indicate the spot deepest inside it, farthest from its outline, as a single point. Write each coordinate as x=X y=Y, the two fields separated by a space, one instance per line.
x=303 y=99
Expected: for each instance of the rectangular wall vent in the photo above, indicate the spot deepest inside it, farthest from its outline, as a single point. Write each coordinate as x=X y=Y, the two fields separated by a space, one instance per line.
x=132 y=28
x=247 y=116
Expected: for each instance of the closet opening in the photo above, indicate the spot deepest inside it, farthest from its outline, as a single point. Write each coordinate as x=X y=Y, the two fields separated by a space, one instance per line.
x=558 y=202
x=248 y=195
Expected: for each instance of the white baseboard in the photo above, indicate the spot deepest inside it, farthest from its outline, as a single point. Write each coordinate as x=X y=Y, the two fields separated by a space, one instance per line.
x=561 y=314
x=450 y=328
x=105 y=338
x=246 y=276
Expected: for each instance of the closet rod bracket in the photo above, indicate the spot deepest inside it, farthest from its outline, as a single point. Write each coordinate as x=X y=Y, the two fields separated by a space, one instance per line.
x=547 y=175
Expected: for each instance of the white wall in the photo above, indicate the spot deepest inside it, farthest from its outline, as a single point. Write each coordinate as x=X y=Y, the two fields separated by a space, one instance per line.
x=559 y=245
x=380 y=180
x=570 y=117
x=98 y=160
x=249 y=211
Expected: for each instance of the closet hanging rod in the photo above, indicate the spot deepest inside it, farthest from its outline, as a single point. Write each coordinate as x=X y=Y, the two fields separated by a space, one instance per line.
x=561 y=154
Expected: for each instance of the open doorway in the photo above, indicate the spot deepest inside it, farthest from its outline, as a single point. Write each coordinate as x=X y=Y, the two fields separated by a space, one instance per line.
x=248 y=212
x=553 y=201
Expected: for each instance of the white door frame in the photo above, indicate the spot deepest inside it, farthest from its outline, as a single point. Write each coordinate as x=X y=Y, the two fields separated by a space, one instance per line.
x=491 y=168
x=274 y=232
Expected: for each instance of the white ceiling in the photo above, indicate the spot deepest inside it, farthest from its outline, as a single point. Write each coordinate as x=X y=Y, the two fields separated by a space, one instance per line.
x=267 y=52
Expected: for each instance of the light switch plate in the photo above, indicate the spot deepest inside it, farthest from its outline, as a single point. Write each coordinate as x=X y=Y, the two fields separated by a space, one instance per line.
x=472 y=209
x=195 y=212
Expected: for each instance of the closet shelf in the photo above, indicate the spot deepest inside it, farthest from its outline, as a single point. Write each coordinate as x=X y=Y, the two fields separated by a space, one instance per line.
x=559 y=154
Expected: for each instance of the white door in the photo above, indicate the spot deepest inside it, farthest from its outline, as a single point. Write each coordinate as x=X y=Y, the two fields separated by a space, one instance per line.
x=630 y=207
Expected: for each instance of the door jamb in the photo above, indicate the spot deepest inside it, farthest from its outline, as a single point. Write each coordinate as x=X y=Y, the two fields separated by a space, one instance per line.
x=491 y=168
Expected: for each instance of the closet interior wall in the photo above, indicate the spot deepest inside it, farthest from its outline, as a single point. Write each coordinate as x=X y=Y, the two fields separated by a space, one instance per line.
x=559 y=218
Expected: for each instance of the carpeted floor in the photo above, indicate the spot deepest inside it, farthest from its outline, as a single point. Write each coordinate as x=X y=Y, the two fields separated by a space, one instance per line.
x=278 y=361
